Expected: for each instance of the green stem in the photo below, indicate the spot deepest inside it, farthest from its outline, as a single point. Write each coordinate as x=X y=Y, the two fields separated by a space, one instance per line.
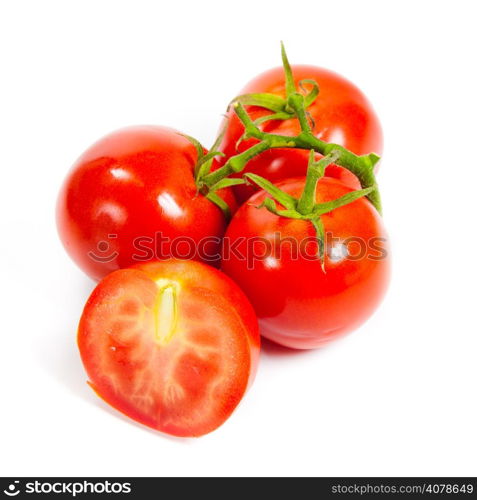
x=235 y=164
x=297 y=103
x=315 y=172
x=361 y=166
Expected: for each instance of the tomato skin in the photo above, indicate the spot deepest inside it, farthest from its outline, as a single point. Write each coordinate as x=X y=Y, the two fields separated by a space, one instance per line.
x=298 y=305
x=342 y=115
x=132 y=183
x=190 y=385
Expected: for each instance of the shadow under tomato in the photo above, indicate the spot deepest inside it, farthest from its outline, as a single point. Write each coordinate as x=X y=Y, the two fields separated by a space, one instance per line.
x=272 y=349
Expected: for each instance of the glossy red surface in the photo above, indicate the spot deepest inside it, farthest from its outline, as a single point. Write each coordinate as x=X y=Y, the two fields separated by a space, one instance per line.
x=135 y=183
x=297 y=303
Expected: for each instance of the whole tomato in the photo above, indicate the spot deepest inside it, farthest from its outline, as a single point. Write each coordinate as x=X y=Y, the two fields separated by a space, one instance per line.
x=300 y=302
x=132 y=197
x=173 y=344
x=341 y=114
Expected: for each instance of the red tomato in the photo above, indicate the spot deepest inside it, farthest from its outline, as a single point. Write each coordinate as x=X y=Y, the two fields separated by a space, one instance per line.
x=297 y=303
x=171 y=344
x=132 y=197
x=341 y=113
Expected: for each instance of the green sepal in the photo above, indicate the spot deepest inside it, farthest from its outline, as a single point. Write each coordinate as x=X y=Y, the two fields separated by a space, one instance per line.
x=200 y=151
x=204 y=164
x=283 y=198
x=268 y=101
x=204 y=161
x=291 y=214
x=282 y=115
x=289 y=80
x=217 y=200
x=270 y=205
x=328 y=206
x=198 y=146
x=227 y=182
x=321 y=238
x=277 y=104
x=312 y=94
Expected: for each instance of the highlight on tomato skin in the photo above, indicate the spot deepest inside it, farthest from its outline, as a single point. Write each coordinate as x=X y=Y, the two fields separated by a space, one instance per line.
x=341 y=114
x=298 y=303
x=171 y=344
x=130 y=188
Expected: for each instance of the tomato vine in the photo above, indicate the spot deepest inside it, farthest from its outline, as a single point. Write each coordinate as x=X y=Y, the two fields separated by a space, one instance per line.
x=294 y=105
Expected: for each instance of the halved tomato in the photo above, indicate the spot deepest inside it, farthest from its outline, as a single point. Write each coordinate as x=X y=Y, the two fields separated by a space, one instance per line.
x=172 y=344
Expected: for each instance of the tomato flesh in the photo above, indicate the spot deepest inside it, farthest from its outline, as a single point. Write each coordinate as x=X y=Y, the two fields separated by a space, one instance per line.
x=173 y=345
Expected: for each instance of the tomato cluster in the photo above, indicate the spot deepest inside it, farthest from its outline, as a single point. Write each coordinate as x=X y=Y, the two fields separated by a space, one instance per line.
x=285 y=204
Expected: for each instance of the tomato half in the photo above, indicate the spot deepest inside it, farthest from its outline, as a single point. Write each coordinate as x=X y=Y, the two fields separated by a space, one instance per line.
x=341 y=114
x=274 y=260
x=172 y=344
x=132 y=197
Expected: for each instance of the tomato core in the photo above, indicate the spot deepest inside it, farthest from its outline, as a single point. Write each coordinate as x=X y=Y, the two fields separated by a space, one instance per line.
x=165 y=312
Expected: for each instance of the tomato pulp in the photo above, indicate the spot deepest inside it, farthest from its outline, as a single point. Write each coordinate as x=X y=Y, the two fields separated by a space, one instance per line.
x=274 y=260
x=132 y=197
x=341 y=114
x=172 y=344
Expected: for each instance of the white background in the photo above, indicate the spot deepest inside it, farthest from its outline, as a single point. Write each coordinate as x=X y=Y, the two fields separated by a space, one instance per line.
x=397 y=397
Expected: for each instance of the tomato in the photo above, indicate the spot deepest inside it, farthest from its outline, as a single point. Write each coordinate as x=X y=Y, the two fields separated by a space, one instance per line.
x=173 y=344
x=341 y=114
x=132 y=197
x=274 y=260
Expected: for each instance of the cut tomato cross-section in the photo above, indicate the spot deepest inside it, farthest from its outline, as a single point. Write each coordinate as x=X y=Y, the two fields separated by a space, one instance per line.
x=172 y=344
